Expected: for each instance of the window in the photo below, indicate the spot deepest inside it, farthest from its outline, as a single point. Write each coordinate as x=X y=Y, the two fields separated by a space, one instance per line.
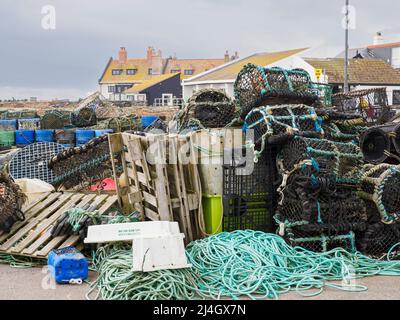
x=131 y=72
x=111 y=89
x=396 y=97
x=150 y=71
x=116 y=72
x=396 y=57
x=175 y=70
x=188 y=72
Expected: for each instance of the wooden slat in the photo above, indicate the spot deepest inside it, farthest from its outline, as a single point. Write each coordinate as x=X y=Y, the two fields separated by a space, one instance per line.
x=43 y=226
x=149 y=198
x=33 y=222
x=48 y=224
x=152 y=215
x=98 y=201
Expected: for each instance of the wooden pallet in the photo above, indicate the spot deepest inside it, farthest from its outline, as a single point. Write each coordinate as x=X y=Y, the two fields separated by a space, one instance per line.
x=161 y=190
x=32 y=237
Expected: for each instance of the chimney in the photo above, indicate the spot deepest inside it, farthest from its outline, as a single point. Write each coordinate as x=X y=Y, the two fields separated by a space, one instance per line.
x=150 y=54
x=378 y=38
x=122 y=55
x=226 y=56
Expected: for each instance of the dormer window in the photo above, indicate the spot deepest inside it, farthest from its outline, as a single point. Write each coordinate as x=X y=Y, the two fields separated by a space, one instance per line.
x=150 y=71
x=188 y=72
x=116 y=72
x=131 y=72
x=175 y=70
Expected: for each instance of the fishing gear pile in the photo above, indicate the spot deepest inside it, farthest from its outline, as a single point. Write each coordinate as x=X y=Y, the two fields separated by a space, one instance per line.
x=257 y=86
x=371 y=104
x=207 y=108
x=382 y=144
x=11 y=201
x=79 y=167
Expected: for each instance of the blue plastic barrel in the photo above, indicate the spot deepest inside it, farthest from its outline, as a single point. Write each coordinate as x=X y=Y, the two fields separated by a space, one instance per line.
x=148 y=120
x=83 y=136
x=44 y=135
x=8 y=125
x=99 y=133
x=24 y=137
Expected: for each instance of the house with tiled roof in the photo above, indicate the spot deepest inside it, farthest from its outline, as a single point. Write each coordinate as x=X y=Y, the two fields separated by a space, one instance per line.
x=125 y=73
x=388 y=52
x=363 y=74
x=223 y=77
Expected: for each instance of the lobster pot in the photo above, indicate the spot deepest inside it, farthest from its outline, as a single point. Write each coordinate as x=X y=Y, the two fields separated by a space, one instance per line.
x=65 y=137
x=280 y=121
x=83 y=136
x=256 y=86
x=56 y=119
x=28 y=124
x=24 y=137
x=7 y=139
x=212 y=108
x=84 y=117
x=323 y=158
x=124 y=124
x=321 y=208
x=8 y=125
x=380 y=186
x=378 y=144
x=44 y=136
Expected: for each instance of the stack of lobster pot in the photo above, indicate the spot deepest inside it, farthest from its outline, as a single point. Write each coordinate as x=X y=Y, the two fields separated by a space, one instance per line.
x=317 y=203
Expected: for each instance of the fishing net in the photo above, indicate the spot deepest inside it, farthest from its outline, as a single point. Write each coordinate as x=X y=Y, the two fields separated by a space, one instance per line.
x=371 y=104
x=323 y=158
x=56 y=119
x=84 y=117
x=80 y=167
x=279 y=122
x=382 y=144
x=11 y=201
x=256 y=86
x=378 y=239
x=333 y=133
x=210 y=108
x=381 y=188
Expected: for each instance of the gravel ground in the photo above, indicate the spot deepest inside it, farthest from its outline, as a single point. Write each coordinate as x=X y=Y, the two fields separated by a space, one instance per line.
x=36 y=284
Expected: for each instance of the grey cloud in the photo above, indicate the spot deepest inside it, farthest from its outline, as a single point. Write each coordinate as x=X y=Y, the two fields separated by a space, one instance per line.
x=69 y=60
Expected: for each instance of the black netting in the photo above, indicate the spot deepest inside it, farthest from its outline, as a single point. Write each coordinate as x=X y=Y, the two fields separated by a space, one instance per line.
x=56 y=119
x=82 y=166
x=210 y=108
x=378 y=239
x=11 y=201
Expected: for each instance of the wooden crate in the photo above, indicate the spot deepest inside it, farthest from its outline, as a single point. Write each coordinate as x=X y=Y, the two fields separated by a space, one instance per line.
x=155 y=183
x=32 y=237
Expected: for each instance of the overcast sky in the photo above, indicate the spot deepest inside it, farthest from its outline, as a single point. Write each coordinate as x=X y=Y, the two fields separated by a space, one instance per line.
x=68 y=61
